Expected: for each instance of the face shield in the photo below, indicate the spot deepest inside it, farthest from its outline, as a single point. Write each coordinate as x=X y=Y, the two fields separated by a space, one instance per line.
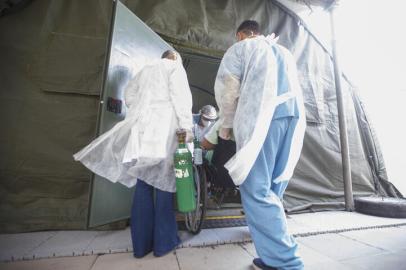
x=208 y=115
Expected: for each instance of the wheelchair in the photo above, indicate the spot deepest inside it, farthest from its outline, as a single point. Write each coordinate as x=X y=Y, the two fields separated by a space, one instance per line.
x=212 y=182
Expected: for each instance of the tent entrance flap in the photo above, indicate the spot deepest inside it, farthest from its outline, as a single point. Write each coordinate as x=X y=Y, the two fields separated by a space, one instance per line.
x=131 y=45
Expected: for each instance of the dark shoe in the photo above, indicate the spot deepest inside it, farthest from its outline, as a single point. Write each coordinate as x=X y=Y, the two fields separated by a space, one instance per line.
x=258 y=264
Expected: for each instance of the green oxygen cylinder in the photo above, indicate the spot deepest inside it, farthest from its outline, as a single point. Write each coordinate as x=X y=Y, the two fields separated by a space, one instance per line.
x=185 y=185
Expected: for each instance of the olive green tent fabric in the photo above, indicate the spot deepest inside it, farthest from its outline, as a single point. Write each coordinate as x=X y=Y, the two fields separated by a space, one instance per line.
x=51 y=65
x=51 y=61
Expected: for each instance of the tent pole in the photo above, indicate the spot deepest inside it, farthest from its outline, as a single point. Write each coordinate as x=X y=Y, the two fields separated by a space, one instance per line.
x=345 y=152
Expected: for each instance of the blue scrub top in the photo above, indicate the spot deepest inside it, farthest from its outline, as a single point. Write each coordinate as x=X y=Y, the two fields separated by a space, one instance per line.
x=288 y=108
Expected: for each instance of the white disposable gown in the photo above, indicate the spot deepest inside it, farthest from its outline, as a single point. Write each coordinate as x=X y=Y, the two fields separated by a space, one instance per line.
x=248 y=100
x=142 y=146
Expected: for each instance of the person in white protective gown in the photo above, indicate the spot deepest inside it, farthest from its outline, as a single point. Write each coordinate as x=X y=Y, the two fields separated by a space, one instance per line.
x=139 y=151
x=261 y=105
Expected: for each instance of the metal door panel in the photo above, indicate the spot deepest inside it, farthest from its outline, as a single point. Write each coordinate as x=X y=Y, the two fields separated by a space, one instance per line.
x=131 y=45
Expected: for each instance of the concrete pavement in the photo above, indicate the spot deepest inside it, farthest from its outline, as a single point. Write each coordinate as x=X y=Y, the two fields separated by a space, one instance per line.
x=355 y=250
x=329 y=240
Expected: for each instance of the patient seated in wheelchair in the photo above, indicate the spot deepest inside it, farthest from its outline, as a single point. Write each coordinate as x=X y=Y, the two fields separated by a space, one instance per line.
x=222 y=151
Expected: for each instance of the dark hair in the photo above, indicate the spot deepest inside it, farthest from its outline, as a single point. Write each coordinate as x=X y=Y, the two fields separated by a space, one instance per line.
x=170 y=54
x=249 y=27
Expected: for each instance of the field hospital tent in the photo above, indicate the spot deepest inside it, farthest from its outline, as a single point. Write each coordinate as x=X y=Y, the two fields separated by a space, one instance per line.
x=54 y=56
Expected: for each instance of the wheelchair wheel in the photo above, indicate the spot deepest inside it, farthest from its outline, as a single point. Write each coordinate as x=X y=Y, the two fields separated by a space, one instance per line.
x=194 y=219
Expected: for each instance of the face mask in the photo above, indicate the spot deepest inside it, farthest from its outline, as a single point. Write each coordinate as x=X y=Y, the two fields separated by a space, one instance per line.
x=206 y=123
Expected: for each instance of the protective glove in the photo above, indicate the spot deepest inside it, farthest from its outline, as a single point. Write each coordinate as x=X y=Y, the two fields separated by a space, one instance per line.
x=225 y=133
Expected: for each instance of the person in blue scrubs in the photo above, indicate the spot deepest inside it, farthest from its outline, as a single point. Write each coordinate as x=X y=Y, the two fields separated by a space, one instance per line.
x=250 y=70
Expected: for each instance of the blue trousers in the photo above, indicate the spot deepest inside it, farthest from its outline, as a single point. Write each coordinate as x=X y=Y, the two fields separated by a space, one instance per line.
x=153 y=221
x=262 y=199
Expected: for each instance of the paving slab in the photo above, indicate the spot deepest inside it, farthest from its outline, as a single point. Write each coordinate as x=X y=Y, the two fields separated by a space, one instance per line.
x=220 y=257
x=389 y=261
x=126 y=261
x=110 y=242
x=309 y=256
x=338 y=247
x=391 y=239
x=339 y=220
x=333 y=265
x=206 y=236
x=16 y=246
x=233 y=235
x=296 y=227
x=65 y=243
x=315 y=260
x=250 y=248
x=66 y=263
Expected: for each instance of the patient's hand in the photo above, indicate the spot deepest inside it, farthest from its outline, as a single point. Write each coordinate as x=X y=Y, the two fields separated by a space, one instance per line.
x=206 y=145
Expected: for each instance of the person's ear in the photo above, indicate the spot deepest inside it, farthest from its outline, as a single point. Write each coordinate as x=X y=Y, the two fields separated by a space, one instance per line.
x=238 y=36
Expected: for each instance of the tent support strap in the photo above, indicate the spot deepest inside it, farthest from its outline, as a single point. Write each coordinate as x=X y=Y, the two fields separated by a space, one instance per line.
x=345 y=152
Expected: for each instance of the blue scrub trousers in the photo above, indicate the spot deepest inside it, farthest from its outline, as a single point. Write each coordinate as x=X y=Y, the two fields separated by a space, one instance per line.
x=262 y=199
x=153 y=221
